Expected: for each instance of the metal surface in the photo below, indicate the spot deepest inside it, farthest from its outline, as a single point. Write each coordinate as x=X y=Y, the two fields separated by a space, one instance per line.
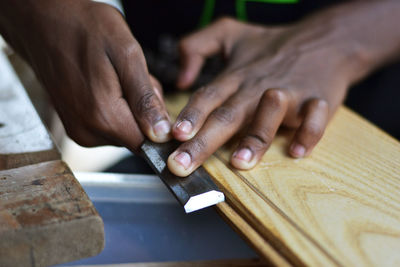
x=144 y=223
x=195 y=191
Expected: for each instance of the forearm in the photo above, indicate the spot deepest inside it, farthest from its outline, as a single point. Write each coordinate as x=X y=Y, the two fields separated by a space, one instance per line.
x=368 y=31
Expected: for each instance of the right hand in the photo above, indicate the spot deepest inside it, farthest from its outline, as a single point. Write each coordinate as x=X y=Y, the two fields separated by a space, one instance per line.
x=93 y=69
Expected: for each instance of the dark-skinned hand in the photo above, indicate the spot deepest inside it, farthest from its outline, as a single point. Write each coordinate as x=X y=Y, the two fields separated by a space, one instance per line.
x=295 y=76
x=94 y=70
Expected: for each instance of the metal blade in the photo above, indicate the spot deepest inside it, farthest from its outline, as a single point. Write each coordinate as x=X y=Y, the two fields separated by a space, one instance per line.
x=195 y=191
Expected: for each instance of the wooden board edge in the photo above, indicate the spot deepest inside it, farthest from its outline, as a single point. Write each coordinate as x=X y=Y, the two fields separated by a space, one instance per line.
x=12 y=161
x=52 y=244
x=251 y=236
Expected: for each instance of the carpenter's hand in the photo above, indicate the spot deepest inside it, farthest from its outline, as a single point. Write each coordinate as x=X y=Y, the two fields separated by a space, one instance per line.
x=94 y=70
x=294 y=76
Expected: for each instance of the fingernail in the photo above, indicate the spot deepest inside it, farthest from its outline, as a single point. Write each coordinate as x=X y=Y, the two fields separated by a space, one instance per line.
x=183 y=159
x=243 y=154
x=161 y=128
x=184 y=126
x=298 y=150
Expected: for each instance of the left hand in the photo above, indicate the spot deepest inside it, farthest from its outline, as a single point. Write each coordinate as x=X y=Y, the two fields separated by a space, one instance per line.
x=294 y=76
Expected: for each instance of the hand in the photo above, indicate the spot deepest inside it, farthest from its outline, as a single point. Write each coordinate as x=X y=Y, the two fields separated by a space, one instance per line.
x=294 y=76
x=93 y=68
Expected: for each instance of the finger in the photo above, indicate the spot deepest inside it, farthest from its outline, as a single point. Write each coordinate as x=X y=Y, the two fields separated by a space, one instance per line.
x=220 y=126
x=195 y=48
x=270 y=113
x=311 y=129
x=148 y=109
x=110 y=117
x=201 y=104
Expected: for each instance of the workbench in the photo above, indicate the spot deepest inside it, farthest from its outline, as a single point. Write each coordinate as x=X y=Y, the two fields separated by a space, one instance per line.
x=45 y=216
x=338 y=207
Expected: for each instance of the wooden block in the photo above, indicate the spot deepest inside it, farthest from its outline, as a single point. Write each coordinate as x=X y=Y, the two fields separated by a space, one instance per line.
x=338 y=207
x=45 y=217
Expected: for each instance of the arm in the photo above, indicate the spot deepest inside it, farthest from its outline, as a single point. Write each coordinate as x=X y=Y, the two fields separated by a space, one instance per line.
x=92 y=67
x=294 y=75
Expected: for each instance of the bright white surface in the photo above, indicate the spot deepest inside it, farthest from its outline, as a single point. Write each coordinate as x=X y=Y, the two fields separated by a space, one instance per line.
x=23 y=130
x=204 y=200
x=115 y=3
x=94 y=159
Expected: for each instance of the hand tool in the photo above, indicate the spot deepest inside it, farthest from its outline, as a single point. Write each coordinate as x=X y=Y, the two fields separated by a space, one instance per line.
x=195 y=191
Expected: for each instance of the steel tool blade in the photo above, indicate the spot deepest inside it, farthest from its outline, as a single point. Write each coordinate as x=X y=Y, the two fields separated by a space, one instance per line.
x=195 y=191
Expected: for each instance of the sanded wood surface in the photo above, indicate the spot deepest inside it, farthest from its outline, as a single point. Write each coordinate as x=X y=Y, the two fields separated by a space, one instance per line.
x=338 y=207
x=45 y=216
x=23 y=138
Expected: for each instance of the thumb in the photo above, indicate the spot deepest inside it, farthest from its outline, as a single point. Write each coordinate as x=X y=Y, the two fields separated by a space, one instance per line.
x=197 y=47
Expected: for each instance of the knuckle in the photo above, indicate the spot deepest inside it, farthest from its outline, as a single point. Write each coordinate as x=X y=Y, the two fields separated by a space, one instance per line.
x=147 y=104
x=224 y=115
x=275 y=97
x=205 y=93
x=190 y=114
x=313 y=131
x=131 y=50
x=260 y=140
x=322 y=104
x=197 y=146
x=318 y=104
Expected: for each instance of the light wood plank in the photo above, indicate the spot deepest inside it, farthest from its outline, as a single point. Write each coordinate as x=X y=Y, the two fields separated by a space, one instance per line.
x=341 y=206
x=273 y=257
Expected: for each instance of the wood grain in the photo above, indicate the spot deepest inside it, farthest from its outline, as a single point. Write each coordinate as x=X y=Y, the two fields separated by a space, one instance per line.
x=272 y=257
x=340 y=206
x=45 y=217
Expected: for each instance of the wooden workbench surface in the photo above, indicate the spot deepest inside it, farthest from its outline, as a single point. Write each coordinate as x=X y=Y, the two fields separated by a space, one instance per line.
x=338 y=207
x=45 y=216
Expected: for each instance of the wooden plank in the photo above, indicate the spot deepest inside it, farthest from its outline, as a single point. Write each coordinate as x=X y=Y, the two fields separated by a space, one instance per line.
x=46 y=217
x=270 y=255
x=341 y=206
x=23 y=138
